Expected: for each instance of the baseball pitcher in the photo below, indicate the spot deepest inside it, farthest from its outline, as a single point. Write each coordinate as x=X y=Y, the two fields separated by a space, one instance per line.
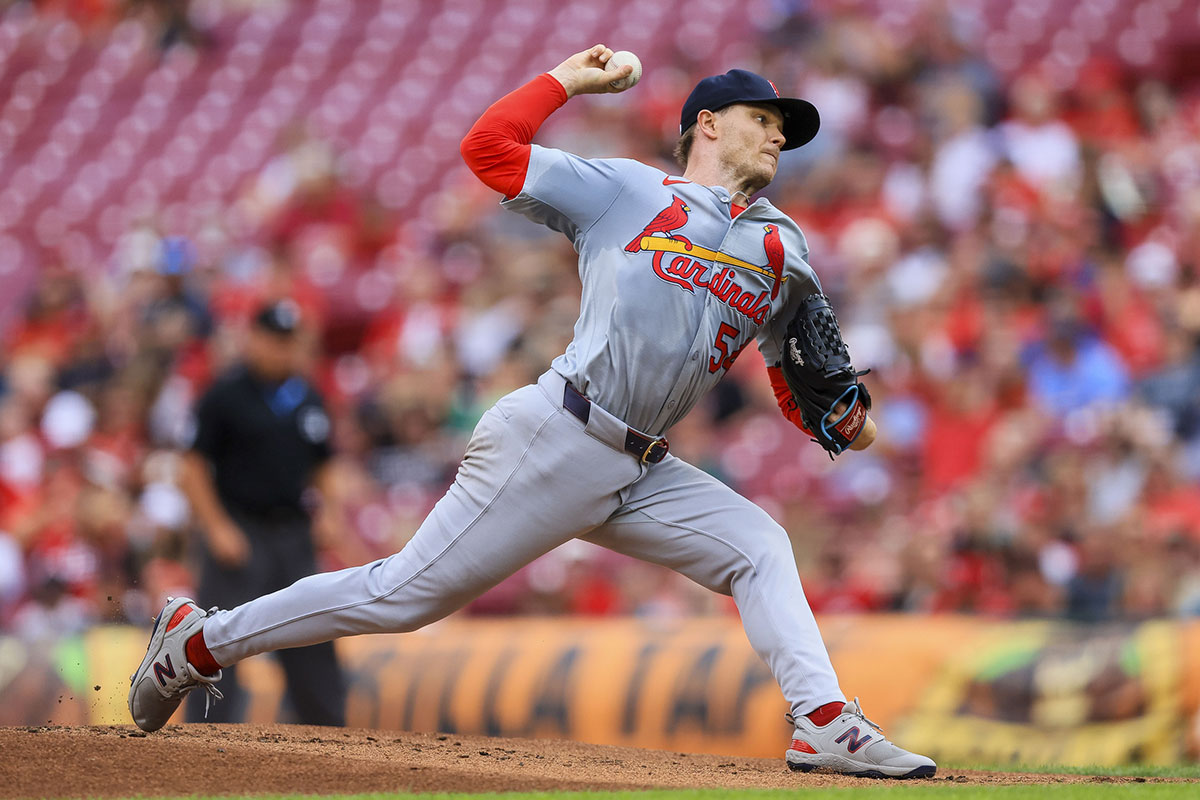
x=680 y=273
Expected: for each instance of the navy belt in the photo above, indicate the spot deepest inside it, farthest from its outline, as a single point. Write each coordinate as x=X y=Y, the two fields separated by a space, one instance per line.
x=644 y=448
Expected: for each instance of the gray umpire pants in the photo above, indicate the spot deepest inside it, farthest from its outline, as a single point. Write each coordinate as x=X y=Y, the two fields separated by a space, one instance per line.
x=533 y=477
x=281 y=552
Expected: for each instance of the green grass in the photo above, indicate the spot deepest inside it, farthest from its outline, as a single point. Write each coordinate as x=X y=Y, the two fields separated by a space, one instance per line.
x=1082 y=791
x=1129 y=771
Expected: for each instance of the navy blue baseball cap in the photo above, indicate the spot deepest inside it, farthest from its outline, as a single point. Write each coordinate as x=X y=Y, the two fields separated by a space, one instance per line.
x=800 y=118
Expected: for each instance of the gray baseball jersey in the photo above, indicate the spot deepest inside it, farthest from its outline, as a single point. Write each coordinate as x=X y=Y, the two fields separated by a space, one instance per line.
x=673 y=287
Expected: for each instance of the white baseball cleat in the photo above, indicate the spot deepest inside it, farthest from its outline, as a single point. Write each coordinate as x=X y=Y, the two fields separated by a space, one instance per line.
x=165 y=676
x=852 y=745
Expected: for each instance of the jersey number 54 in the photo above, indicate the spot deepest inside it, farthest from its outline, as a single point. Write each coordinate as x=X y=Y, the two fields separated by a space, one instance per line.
x=724 y=358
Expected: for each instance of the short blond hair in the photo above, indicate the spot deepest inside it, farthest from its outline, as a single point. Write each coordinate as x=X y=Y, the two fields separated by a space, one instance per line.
x=683 y=147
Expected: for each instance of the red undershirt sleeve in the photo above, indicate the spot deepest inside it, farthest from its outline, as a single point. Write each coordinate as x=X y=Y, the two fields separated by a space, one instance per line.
x=783 y=396
x=497 y=146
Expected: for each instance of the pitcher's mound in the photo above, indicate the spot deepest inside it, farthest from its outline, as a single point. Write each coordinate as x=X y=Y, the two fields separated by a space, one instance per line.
x=119 y=760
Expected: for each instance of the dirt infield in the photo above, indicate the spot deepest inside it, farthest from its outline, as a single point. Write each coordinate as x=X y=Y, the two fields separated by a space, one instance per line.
x=65 y=761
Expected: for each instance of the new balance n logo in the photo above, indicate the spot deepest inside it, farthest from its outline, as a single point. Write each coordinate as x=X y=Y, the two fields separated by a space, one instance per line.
x=162 y=673
x=855 y=743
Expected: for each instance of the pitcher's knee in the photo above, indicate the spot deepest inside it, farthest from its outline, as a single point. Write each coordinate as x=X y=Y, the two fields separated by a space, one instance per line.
x=771 y=555
x=768 y=550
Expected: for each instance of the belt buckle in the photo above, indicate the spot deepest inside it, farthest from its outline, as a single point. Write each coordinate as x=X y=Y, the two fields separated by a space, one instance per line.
x=645 y=459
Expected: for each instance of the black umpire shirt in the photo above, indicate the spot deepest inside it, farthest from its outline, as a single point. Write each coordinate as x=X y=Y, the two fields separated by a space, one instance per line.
x=264 y=441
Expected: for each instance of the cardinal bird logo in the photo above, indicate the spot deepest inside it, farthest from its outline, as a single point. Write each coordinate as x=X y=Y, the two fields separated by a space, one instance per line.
x=669 y=220
x=677 y=261
x=775 y=256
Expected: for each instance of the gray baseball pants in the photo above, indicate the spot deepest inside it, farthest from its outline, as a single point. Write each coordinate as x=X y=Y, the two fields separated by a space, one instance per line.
x=533 y=477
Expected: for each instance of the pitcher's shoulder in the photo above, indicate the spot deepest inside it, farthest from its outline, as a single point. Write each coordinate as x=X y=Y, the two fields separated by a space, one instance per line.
x=639 y=169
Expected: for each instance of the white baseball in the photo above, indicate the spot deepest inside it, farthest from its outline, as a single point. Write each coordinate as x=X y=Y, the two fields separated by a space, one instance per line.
x=620 y=59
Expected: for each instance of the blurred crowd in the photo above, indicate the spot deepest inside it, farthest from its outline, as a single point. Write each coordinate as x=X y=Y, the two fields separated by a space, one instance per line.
x=168 y=20
x=1015 y=257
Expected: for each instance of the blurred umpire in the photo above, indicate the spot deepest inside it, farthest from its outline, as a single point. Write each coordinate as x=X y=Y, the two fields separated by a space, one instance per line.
x=261 y=443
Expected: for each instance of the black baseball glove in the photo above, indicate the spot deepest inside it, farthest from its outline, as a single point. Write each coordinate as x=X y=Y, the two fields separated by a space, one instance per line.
x=816 y=366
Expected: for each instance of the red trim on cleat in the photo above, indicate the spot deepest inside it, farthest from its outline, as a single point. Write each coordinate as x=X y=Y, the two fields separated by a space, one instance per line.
x=179 y=616
x=801 y=746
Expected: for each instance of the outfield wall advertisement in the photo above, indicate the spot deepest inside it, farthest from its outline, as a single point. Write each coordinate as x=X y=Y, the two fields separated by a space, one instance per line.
x=964 y=690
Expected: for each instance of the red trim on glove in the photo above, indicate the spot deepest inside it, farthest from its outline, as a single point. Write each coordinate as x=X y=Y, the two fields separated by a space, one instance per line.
x=783 y=396
x=497 y=146
x=851 y=423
